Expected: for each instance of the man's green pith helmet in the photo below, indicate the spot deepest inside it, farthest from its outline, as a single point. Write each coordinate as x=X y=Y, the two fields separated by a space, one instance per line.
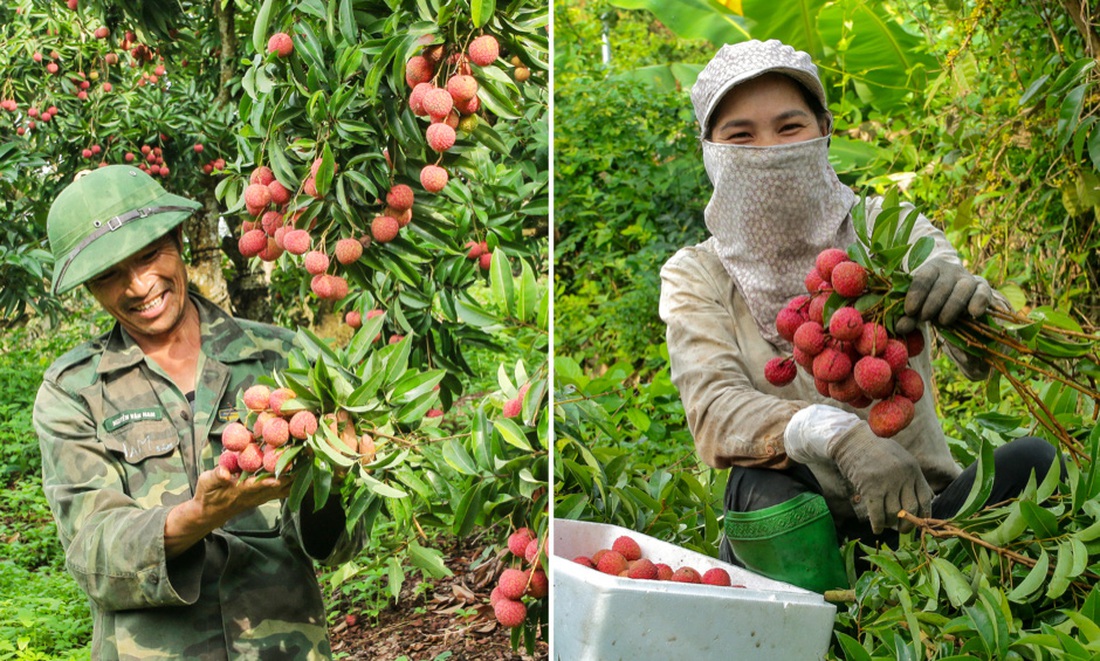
x=104 y=217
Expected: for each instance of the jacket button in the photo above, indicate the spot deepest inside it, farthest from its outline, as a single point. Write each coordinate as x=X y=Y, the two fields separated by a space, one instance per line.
x=186 y=415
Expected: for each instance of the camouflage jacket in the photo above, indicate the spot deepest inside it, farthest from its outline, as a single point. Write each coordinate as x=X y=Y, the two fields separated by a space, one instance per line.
x=121 y=445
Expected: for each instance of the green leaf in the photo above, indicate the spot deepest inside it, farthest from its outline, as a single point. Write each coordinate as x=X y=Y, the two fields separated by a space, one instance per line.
x=456 y=456
x=347 y=21
x=1059 y=582
x=500 y=281
x=259 y=28
x=527 y=299
x=512 y=434
x=920 y=252
x=695 y=19
x=396 y=576
x=467 y=511
x=954 y=582
x=429 y=561
x=983 y=483
x=1042 y=522
x=481 y=11
x=853 y=651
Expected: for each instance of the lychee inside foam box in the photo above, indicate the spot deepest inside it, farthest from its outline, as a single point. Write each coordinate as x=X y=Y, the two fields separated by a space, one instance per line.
x=600 y=617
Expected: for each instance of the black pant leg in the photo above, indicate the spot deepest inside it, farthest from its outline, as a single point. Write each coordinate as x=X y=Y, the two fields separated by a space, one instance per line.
x=1013 y=464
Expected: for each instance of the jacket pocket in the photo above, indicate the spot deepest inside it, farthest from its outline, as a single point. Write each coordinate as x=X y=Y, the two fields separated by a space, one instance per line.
x=150 y=462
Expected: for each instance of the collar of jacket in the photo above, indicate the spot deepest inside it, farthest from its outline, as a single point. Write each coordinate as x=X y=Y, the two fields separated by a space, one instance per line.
x=221 y=335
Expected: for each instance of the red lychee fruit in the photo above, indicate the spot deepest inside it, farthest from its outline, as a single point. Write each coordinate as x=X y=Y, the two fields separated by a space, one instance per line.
x=339 y=287
x=889 y=416
x=467 y=108
x=910 y=385
x=642 y=569
x=664 y=572
x=531 y=553
x=384 y=229
x=474 y=249
x=462 y=88
x=256 y=397
x=416 y=98
x=236 y=437
x=316 y=262
x=276 y=432
x=271 y=457
x=849 y=279
x=874 y=376
x=252 y=243
x=510 y=613
x=271 y=251
x=484 y=50
x=846 y=390
x=271 y=221
x=584 y=560
x=281 y=44
x=403 y=217
x=440 y=137
x=433 y=178
x=521 y=74
x=251 y=459
x=228 y=460
x=348 y=250
x=813 y=281
x=627 y=547
x=810 y=338
x=914 y=343
x=257 y=196
x=262 y=175
x=717 y=576
x=538 y=586
x=197 y=147
x=297 y=242
x=872 y=340
x=804 y=360
x=897 y=355
x=846 y=324
x=279 y=193
x=418 y=69
x=815 y=311
x=485 y=261
x=354 y=319
x=400 y=197
x=832 y=365
x=686 y=575
x=437 y=102
x=513 y=407
x=611 y=562
x=518 y=541
x=278 y=397
x=512 y=583
x=302 y=424
x=787 y=323
x=780 y=371
x=102 y=32
x=828 y=259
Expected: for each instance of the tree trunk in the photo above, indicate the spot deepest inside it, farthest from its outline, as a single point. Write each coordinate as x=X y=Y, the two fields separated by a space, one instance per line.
x=1084 y=20
x=205 y=271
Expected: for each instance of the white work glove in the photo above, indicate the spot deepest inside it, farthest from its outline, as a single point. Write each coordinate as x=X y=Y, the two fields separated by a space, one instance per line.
x=941 y=291
x=884 y=475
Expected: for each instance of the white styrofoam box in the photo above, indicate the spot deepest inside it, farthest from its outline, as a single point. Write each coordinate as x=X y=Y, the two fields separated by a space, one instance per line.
x=599 y=617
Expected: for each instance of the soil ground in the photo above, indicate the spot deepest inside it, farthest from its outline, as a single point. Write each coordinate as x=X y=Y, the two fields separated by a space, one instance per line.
x=451 y=620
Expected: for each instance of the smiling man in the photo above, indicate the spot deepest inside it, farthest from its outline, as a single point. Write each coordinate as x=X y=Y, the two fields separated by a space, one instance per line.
x=179 y=558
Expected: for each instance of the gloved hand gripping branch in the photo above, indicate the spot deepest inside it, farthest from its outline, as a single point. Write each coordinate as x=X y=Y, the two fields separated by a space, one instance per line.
x=886 y=477
x=941 y=291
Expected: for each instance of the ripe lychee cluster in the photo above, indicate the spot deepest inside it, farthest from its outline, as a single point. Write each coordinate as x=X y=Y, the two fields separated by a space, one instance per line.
x=515 y=584
x=624 y=559
x=853 y=360
x=443 y=89
x=479 y=250
x=258 y=449
x=270 y=427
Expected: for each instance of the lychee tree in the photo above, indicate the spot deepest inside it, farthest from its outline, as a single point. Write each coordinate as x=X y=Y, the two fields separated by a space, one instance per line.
x=392 y=169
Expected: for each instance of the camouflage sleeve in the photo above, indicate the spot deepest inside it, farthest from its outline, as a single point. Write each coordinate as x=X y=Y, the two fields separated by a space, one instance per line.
x=113 y=548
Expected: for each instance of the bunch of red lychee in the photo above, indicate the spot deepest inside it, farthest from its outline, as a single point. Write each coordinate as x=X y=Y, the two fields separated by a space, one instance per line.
x=851 y=359
x=259 y=448
x=515 y=584
x=479 y=251
x=624 y=559
x=273 y=426
x=444 y=91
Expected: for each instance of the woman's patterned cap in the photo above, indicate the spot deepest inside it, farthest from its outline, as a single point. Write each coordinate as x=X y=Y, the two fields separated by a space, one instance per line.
x=736 y=63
